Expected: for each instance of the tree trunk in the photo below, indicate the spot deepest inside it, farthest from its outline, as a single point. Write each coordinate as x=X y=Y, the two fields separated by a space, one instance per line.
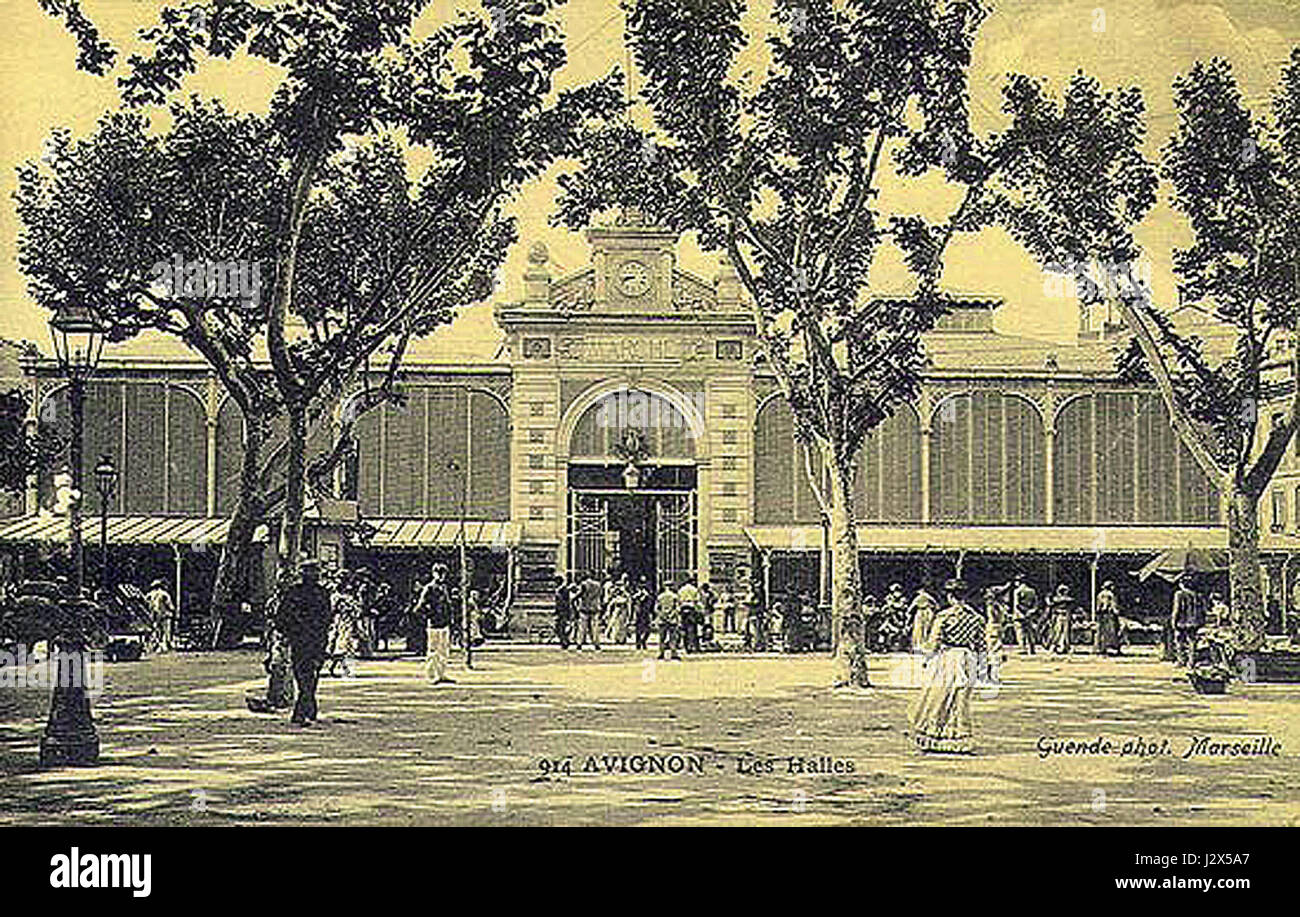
x=279 y=685
x=847 y=626
x=238 y=557
x=295 y=486
x=1248 y=614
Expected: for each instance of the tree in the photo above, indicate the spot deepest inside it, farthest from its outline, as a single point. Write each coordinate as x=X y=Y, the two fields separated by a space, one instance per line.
x=1080 y=187
x=783 y=170
x=23 y=451
x=362 y=255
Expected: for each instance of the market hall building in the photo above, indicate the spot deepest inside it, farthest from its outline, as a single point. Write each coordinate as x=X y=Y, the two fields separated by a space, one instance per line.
x=627 y=421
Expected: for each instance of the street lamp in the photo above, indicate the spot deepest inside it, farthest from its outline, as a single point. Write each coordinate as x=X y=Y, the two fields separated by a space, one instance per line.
x=70 y=737
x=106 y=475
x=78 y=342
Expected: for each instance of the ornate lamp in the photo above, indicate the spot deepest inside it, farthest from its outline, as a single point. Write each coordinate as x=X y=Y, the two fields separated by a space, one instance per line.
x=70 y=737
x=78 y=340
x=106 y=475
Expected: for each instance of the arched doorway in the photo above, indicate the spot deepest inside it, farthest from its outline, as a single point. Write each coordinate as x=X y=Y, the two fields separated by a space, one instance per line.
x=633 y=488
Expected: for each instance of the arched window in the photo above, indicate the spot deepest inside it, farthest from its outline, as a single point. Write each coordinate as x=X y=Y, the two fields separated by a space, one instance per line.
x=782 y=494
x=405 y=455
x=230 y=450
x=156 y=434
x=663 y=428
x=187 y=454
x=889 y=470
x=1117 y=459
x=987 y=460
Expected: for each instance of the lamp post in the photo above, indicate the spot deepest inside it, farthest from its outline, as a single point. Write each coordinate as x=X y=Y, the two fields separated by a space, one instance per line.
x=106 y=475
x=70 y=737
x=454 y=467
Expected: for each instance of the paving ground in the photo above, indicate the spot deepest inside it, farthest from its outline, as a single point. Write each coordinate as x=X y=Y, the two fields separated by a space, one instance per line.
x=179 y=747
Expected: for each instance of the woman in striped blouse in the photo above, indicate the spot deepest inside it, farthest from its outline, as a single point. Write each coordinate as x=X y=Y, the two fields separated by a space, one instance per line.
x=941 y=714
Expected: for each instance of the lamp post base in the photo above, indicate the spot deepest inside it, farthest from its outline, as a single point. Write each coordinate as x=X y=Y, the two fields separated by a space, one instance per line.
x=70 y=739
x=69 y=751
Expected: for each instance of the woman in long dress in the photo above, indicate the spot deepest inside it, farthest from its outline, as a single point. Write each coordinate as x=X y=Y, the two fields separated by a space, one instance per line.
x=343 y=628
x=1062 y=617
x=620 y=612
x=941 y=714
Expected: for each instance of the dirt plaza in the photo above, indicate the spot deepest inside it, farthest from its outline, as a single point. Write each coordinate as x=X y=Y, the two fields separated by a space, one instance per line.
x=535 y=735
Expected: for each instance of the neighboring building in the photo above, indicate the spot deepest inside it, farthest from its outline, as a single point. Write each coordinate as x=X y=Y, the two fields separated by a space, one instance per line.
x=621 y=415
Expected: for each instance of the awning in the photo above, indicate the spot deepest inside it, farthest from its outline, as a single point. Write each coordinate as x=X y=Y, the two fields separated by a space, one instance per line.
x=438 y=533
x=998 y=539
x=134 y=530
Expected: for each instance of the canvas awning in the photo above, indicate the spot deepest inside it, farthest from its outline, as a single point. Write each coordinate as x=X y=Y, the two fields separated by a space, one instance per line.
x=439 y=533
x=132 y=530
x=998 y=539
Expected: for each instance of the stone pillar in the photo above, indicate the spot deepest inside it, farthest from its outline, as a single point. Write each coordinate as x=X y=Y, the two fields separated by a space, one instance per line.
x=213 y=412
x=1049 y=451
x=925 y=469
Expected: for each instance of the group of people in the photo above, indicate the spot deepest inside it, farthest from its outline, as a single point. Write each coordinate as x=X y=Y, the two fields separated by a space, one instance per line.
x=591 y=608
x=331 y=620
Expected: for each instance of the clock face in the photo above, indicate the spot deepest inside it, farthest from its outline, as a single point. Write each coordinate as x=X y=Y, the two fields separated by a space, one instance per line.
x=634 y=278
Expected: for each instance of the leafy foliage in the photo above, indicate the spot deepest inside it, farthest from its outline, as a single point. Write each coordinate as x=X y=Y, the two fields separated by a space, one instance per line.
x=22 y=452
x=781 y=170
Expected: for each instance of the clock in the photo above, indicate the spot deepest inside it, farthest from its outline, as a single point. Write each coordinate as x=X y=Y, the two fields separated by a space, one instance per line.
x=634 y=278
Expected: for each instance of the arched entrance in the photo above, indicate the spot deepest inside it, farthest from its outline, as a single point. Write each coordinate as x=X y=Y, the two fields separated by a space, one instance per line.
x=633 y=488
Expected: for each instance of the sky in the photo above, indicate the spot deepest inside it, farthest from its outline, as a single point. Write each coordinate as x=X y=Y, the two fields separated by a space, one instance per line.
x=1121 y=42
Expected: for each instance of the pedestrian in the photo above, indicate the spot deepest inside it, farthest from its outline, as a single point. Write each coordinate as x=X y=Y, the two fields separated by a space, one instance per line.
x=922 y=610
x=744 y=611
x=1222 y=614
x=434 y=608
x=591 y=596
x=873 y=623
x=773 y=622
x=643 y=603
x=162 y=613
x=688 y=600
x=726 y=611
x=343 y=627
x=385 y=613
x=708 y=606
x=563 y=610
x=305 y=620
x=1106 y=641
x=894 y=611
x=940 y=715
x=995 y=614
x=1062 y=606
x=1024 y=614
x=669 y=615
x=1186 y=618
x=619 y=609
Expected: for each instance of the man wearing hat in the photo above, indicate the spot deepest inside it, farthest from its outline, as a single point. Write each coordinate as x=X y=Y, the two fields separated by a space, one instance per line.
x=434 y=607
x=161 y=612
x=305 y=619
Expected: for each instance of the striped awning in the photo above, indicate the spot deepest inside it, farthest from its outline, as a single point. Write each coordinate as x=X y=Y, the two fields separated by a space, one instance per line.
x=136 y=530
x=438 y=533
x=998 y=539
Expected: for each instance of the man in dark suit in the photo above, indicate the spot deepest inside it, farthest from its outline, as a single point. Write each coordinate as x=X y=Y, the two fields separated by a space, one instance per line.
x=305 y=619
x=1187 y=619
x=563 y=611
